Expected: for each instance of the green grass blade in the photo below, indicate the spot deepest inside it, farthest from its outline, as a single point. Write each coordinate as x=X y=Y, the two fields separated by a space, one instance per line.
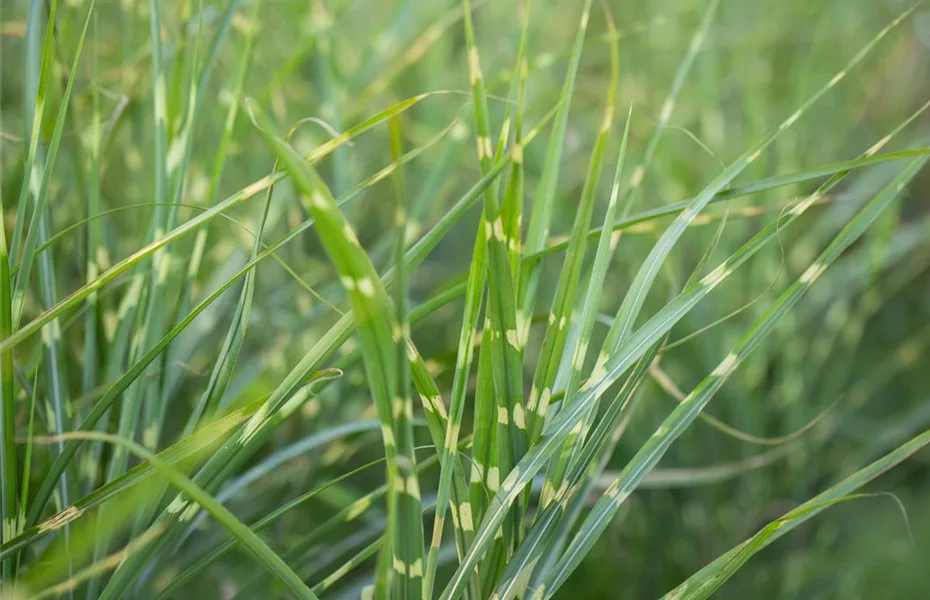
x=554 y=343
x=703 y=583
x=642 y=283
x=650 y=453
x=541 y=215
x=198 y=497
x=668 y=107
x=376 y=325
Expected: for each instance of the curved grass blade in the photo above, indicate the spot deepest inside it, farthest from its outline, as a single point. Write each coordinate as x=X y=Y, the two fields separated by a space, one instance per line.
x=195 y=223
x=198 y=497
x=761 y=185
x=642 y=282
x=703 y=583
x=668 y=107
x=375 y=327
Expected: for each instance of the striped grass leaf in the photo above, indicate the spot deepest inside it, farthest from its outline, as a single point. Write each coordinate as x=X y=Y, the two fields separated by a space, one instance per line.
x=635 y=346
x=327 y=345
x=513 y=197
x=637 y=220
x=645 y=276
x=606 y=245
x=420 y=250
x=371 y=306
x=538 y=552
x=703 y=583
x=554 y=348
x=625 y=356
x=506 y=367
x=411 y=525
x=556 y=471
x=474 y=291
x=653 y=450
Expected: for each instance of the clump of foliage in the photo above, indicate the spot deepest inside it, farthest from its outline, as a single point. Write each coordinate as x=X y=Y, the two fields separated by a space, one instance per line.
x=430 y=300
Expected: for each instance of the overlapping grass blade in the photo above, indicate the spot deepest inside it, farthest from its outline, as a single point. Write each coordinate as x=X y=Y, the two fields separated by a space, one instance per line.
x=652 y=451
x=636 y=344
x=199 y=497
x=376 y=326
x=554 y=347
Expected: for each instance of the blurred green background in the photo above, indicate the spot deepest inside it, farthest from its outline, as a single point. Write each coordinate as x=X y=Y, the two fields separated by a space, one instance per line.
x=848 y=368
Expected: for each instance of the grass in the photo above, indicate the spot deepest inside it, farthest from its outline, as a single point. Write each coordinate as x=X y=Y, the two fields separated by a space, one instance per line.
x=462 y=299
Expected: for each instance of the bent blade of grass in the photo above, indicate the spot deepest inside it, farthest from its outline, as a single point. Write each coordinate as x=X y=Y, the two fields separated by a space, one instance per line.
x=326 y=345
x=372 y=307
x=686 y=412
x=198 y=497
x=228 y=459
x=185 y=449
x=707 y=580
